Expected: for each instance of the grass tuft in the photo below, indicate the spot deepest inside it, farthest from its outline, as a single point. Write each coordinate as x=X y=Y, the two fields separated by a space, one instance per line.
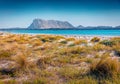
x=106 y=67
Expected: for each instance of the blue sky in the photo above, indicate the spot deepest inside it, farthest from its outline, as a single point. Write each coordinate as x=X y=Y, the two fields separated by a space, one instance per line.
x=20 y=13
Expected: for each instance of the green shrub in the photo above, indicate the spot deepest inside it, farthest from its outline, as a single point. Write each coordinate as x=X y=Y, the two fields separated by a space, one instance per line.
x=108 y=42
x=64 y=42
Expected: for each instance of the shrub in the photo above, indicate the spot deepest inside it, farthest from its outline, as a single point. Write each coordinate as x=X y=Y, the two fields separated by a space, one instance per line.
x=95 y=39
x=117 y=52
x=63 y=41
x=70 y=44
x=47 y=38
x=108 y=42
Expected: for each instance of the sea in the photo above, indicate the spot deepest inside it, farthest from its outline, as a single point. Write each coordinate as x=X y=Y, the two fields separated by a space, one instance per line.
x=82 y=32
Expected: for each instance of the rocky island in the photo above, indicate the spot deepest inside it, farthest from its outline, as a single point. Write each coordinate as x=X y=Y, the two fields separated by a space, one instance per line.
x=47 y=24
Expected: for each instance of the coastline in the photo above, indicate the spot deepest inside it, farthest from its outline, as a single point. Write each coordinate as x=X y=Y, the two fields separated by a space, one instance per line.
x=85 y=32
x=65 y=35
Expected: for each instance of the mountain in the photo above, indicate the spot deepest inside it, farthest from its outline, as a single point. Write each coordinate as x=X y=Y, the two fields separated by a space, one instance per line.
x=50 y=24
x=80 y=26
x=97 y=27
x=117 y=27
x=56 y=24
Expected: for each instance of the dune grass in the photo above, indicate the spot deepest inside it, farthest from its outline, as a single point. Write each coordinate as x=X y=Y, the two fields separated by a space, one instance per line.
x=106 y=67
x=95 y=39
x=50 y=59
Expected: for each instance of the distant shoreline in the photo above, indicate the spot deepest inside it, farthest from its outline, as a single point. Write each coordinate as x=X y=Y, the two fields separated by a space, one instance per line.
x=62 y=29
x=64 y=35
x=65 y=32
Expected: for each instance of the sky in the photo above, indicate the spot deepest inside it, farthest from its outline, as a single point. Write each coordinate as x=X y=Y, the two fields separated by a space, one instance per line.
x=20 y=13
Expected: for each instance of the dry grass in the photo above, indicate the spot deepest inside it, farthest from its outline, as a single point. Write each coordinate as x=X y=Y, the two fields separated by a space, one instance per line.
x=50 y=59
x=95 y=39
x=116 y=48
x=69 y=72
x=5 y=54
x=106 y=67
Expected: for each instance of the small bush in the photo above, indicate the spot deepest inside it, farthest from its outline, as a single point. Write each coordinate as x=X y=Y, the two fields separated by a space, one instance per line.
x=95 y=39
x=108 y=42
x=70 y=44
x=64 y=42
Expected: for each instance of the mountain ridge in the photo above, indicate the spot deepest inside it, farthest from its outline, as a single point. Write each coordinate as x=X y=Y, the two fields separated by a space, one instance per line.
x=56 y=24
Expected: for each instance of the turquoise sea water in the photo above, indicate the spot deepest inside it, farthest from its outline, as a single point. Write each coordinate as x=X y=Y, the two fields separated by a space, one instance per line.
x=67 y=32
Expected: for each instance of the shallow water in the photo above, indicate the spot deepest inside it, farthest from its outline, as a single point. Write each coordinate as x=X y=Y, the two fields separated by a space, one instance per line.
x=67 y=32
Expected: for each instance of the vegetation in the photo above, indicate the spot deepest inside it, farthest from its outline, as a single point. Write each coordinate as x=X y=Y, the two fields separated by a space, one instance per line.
x=52 y=59
x=95 y=39
x=108 y=42
x=106 y=67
